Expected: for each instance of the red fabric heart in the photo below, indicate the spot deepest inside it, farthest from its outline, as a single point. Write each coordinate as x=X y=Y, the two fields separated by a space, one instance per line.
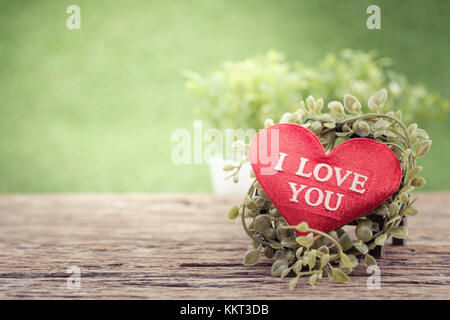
x=362 y=172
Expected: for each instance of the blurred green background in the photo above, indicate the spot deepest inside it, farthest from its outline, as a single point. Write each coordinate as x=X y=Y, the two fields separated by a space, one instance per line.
x=94 y=109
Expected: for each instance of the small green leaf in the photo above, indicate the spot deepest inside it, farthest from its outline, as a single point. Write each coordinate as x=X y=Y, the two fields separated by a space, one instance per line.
x=406 y=189
x=276 y=246
x=251 y=257
x=422 y=148
x=362 y=129
x=381 y=125
x=361 y=247
x=381 y=239
x=297 y=267
x=393 y=209
x=304 y=241
x=356 y=107
x=310 y=103
x=412 y=173
x=324 y=260
x=229 y=167
x=400 y=232
x=404 y=197
x=363 y=233
x=369 y=260
x=262 y=223
x=411 y=211
x=298 y=253
x=391 y=221
x=330 y=125
x=302 y=227
x=285 y=272
x=345 y=260
x=293 y=283
x=412 y=127
x=418 y=182
x=345 y=241
x=324 y=250
x=336 y=108
x=233 y=213
x=350 y=101
x=278 y=266
x=269 y=252
x=251 y=205
x=353 y=259
x=313 y=279
x=339 y=275
x=377 y=101
x=312 y=259
x=420 y=133
x=406 y=155
x=382 y=210
x=289 y=243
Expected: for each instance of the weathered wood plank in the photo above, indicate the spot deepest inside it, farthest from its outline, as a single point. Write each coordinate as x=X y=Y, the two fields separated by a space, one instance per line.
x=182 y=247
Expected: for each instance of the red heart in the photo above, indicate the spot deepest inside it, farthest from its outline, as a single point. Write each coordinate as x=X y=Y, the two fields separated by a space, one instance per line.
x=361 y=172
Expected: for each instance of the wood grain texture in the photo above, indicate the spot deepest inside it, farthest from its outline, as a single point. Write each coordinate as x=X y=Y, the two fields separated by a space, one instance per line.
x=180 y=246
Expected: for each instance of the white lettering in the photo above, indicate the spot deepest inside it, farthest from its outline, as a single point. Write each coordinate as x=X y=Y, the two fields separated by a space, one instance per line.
x=327 y=176
x=357 y=182
x=319 y=198
x=328 y=197
x=279 y=166
x=300 y=172
x=295 y=191
x=339 y=179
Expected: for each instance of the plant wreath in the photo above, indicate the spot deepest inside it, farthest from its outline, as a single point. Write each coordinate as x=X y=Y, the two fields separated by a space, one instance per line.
x=336 y=253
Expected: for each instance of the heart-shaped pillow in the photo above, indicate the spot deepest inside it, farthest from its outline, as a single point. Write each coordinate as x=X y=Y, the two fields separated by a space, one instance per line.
x=325 y=190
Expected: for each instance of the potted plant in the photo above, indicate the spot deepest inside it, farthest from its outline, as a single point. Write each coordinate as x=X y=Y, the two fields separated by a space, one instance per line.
x=242 y=95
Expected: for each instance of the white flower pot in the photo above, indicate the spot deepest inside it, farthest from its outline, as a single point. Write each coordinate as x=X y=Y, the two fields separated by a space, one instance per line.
x=222 y=186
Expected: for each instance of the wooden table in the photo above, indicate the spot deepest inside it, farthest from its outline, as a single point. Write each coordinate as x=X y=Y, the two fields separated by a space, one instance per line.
x=181 y=246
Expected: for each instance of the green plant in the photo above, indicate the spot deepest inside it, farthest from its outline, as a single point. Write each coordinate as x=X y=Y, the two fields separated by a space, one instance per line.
x=243 y=94
x=335 y=254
